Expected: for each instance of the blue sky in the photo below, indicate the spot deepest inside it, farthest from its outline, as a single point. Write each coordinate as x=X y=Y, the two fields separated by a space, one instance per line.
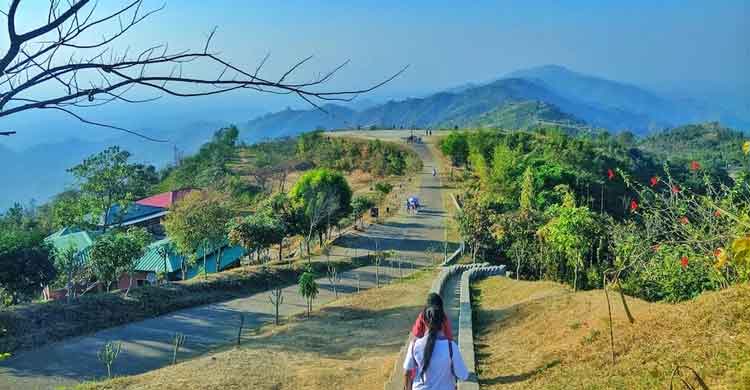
x=687 y=47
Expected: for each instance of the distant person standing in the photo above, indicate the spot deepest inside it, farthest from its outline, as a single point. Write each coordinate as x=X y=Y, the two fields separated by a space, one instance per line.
x=436 y=359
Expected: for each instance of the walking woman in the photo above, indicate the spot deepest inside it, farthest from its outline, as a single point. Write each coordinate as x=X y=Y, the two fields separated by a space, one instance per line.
x=437 y=360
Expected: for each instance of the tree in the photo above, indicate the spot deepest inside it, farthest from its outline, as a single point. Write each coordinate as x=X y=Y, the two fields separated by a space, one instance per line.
x=256 y=232
x=570 y=233
x=72 y=268
x=456 y=146
x=37 y=71
x=360 y=205
x=116 y=253
x=475 y=224
x=526 y=201
x=324 y=197
x=197 y=224
x=277 y=299
x=25 y=264
x=286 y=216
x=308 y=288
x=106 y=179
x=108 y=354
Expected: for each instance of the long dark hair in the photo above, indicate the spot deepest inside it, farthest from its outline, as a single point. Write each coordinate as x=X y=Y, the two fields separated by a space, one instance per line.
x=434 y=299
x=433 y=318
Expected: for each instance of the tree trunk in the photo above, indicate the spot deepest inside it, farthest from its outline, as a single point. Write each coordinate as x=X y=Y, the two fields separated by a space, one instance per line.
x=575 y=277
x=281 y=248
x=130 y=284
x=518 y=269
x=218 y=260
x=205 y=271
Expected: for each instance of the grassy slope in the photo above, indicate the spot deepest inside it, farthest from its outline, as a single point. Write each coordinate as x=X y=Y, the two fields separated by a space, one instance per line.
x=351 y=343
x=539 y=335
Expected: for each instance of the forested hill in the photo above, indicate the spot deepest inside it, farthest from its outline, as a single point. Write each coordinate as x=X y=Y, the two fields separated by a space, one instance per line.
x=709 y=143
x=558 y=94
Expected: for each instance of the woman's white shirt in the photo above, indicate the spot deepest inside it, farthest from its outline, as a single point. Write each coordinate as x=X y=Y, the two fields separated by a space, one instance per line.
x=438 y=375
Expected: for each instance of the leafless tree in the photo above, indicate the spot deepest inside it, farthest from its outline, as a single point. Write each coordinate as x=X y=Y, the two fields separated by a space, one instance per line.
x=58 y=66
x=277 y=299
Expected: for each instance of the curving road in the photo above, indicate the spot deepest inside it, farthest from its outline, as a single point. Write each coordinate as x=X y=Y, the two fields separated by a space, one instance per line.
x=147 y=344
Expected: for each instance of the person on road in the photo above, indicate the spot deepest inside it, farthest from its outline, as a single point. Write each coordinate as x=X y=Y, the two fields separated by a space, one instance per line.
x=434 y=172
x=436 y=359
x=420 y=325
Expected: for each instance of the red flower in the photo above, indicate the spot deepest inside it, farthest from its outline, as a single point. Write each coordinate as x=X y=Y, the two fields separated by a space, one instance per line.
x=610 y=174
x=684 y=261
x=717 y=213
x=695 y=165
x=675 y=189
x=633 y=205
x=654 y=181
x=718 y=252
x=684 y=220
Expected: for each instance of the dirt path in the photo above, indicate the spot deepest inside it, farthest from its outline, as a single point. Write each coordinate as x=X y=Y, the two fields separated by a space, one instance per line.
x=147 y=344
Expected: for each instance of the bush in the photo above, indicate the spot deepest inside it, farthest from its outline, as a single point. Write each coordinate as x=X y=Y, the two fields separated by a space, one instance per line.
x=674 y=273
x=383 y=187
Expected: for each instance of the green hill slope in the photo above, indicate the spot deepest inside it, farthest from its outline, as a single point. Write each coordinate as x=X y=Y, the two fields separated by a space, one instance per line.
x=523 y=115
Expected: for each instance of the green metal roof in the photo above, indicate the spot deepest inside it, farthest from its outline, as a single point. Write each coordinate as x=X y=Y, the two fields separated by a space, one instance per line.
x=153 y=261
x=72 y=237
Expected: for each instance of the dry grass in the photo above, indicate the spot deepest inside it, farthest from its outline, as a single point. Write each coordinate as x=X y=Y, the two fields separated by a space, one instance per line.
x=349 y=344
x=539 y=335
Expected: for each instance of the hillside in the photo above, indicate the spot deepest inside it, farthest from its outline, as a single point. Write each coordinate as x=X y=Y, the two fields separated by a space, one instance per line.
x=523 y=116
x=642 y=109
x=459 y=108
x=519 y=349
x=709 y=143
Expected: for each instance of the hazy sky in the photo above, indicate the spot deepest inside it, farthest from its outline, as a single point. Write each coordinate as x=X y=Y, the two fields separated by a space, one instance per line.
x=690 y=46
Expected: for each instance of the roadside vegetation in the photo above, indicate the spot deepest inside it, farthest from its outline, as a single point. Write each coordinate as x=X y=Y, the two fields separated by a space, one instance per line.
x=581 y=208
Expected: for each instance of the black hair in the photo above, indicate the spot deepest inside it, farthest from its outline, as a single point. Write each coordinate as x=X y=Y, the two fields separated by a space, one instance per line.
x=433 y=318
x=434 y=300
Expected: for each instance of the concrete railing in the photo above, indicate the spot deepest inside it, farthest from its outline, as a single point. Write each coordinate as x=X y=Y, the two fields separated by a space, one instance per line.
x=465 y=321
x=395 y=380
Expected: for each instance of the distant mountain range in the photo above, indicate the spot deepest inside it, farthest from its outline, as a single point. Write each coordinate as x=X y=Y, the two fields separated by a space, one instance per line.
x=39 y=171
x=562 y=94
x=543 y=95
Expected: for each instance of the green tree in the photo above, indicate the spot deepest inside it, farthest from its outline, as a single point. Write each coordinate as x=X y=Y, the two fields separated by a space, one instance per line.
x=526 y=201
x=197 y=224
x=116 y=253
x=475 y=224
x=324 y=197
x=107 y=178
x=71 y=268
x=455 y=146
x=308 y=288
x=286 y=215
x=25 y=264
x=570 y=233
x=256 y=232
x=360 y=205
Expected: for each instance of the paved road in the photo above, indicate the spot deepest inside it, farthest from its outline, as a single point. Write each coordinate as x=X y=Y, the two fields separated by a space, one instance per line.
x=147 y=344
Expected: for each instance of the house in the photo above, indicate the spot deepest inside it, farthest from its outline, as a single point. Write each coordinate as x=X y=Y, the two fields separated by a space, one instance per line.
x=147 y=212
x=165 y=200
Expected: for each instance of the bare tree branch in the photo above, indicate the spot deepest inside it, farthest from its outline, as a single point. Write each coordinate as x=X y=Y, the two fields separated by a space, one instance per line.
x=94 y=74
